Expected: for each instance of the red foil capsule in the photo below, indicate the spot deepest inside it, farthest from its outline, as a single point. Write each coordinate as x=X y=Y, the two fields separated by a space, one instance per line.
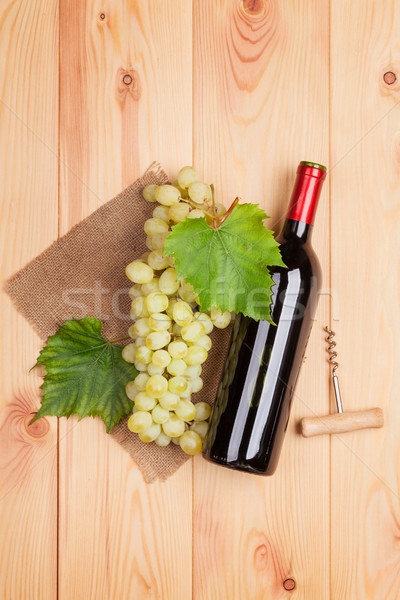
x=307 y=189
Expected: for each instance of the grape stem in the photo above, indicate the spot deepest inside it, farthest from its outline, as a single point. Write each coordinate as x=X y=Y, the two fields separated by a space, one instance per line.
x=198 y=206
x=215 y=222
x=126 y=337
x=228 y=212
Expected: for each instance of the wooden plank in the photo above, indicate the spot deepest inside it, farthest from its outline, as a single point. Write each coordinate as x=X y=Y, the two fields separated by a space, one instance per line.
x=120 y=538
x=365 y=183
x=261 y=97
x=28 y=223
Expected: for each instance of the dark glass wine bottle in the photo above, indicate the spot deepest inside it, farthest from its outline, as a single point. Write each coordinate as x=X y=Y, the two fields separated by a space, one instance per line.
x=251 y=412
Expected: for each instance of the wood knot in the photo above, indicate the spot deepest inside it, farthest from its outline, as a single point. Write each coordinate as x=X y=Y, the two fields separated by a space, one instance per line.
x=102 y=16
x=389 y=77
x=289 y=584
x=128 y=84
x=39 y=428
x=261 y=556
x=253 y=7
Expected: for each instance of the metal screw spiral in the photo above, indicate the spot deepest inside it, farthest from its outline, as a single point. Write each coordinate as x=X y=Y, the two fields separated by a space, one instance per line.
x=331 y=350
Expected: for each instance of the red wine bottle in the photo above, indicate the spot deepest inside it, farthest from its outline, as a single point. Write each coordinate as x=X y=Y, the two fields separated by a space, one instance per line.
x=251 y=412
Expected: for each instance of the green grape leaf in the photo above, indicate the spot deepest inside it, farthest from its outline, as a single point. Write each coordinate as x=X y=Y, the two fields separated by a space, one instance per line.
x=228 y=266
x=85 y=374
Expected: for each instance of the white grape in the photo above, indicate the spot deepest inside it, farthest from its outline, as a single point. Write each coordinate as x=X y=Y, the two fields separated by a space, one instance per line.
x=178 y=212
x=155 y=226
x=192 y=332
x=139 y=366
x=171 y=262
x=176 y=329
x=139 y=341
x=156 y=302
x=178 y=349
x=158 y=339
x=196 y=213
x=200 y=427
x=220 y=319
x=161 y=358
x=157 y=242
x=174 y=427
x=205 y=320
x=188 y=391
x=162 y=440
x=159 y=321
x=170 y=308
x=148 y=192
x=144 y=354
x=190 y=442
x=131 y=333
x=204 y=341
x=193 y=371
x=219 y=209
x=139 y=421
x=138 y=306
x=186 y=292
x=151 y=433
x=161 y=212
x=149 y=243
x=156 y=386
x=177 y=366
x=157 y=261
x=131 y=390
x=144 y=402
x=196 y=355
x=187 y=176
x=129 y=353
x=177 y=385
x=151 y=287
x=199 y=192
x=141 y=327
x=203 y=411
x=185 y=410
x=138 y=272
x=197 y=384
x=159 y=414
x=169 y=401
x=152 y=369
x=182 y=191
x=135 y=291
x=182 y=313
x=140 y=381
x=167 y=195
x=169 y=283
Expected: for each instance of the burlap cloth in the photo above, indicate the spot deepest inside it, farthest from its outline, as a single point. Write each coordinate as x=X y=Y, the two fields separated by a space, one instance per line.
x=83 y=274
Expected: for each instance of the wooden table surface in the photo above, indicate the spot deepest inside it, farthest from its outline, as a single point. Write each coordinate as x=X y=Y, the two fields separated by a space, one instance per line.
x=91 y=92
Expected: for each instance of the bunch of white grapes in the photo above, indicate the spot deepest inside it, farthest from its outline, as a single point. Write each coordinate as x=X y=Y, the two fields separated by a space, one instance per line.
x=170 y=332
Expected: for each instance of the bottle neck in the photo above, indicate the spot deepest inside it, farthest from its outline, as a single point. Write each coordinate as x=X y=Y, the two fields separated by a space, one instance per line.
x=296 y=230
x=304 y=201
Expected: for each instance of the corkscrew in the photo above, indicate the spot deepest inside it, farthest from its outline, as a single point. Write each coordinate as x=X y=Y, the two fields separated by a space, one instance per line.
x=340 y=422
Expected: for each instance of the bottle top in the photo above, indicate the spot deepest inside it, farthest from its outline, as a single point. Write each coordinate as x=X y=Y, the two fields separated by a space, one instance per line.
x=306 y=192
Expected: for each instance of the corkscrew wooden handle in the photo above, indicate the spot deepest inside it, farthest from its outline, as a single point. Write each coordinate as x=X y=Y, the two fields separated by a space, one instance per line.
x=342 y=422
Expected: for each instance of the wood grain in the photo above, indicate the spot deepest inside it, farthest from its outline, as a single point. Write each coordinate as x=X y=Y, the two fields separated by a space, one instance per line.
x=244 y=89
x=28 y=223
x=125 y=76
x=258 y=111
x=365 y=180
